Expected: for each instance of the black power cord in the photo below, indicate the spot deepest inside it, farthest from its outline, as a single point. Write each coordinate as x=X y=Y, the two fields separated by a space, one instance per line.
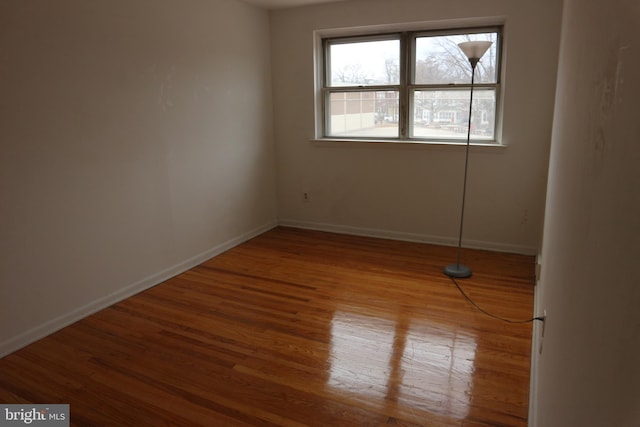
x=455 y=282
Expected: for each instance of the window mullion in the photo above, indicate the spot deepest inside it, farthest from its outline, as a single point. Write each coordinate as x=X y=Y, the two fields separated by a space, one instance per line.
x=366 y=88
x=405 y=80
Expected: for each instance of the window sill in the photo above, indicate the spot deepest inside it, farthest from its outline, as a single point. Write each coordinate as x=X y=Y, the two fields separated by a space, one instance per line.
x=336 y=142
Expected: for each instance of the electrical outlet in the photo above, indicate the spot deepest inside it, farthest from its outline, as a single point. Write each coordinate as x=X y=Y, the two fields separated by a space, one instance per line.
x=544 y=324
x=306 y=196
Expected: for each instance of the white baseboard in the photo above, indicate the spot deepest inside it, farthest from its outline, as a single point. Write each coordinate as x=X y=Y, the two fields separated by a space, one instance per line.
x=410 y=237
x=53 y=325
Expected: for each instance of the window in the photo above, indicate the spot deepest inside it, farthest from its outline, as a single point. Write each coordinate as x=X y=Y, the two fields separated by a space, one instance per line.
x=411 y=86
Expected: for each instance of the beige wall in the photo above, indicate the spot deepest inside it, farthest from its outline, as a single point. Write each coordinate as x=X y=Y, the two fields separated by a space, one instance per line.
x=135 y=141
x=414 y=191
x=588 y=374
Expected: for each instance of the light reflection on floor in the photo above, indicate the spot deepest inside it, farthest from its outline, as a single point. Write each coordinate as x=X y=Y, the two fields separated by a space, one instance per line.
x=365 y=371
x=377 y=359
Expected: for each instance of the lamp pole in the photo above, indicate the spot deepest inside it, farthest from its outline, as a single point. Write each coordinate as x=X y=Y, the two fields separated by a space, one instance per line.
x=473 y=51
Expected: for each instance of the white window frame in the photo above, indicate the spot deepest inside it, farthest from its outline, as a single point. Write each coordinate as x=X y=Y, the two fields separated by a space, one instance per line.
x=406 y=87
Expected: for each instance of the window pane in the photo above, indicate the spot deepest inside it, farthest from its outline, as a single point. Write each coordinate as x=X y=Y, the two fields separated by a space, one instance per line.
x=444 y=114
x=372 y=114
x=364 y=63
x=439 y=60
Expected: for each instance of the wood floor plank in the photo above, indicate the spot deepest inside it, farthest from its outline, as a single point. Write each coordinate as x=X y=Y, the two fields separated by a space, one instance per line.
x=298 y=328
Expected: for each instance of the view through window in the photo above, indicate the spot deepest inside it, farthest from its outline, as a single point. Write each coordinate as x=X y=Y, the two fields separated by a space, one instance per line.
x=409 y=86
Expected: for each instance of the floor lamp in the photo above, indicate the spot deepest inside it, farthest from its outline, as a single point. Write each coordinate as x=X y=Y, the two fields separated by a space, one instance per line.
x=474 y=51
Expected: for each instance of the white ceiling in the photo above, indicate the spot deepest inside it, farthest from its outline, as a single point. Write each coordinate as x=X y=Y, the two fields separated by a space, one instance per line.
x=281 y=4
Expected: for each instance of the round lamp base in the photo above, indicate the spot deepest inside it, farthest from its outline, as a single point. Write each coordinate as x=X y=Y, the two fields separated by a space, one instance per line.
x=457 y=270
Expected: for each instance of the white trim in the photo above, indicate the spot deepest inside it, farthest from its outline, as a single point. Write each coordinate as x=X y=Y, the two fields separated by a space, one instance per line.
x=17 y=342
x=442 y=24
x=535 y=353
x=410 y=237
x=417 y=143
x=53 y=325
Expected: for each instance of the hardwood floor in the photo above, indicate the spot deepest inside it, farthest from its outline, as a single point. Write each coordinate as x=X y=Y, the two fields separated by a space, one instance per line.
x=298 y=328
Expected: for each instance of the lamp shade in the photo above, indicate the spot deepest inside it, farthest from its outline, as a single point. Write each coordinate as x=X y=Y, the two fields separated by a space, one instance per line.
x=475 y=49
